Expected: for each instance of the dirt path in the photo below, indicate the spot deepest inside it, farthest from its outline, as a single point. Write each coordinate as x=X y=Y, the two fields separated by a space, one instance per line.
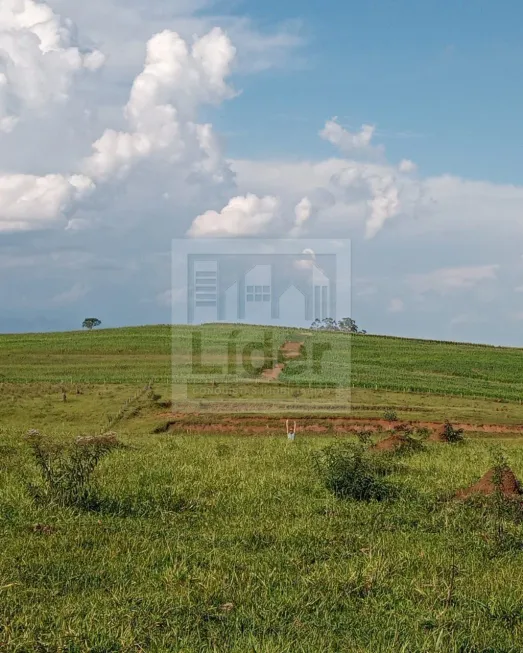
x=328 y=425
x=273 y=373
x=289 y=351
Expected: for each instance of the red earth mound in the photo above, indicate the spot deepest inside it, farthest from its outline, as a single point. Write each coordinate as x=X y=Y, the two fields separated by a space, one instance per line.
x=509 y=485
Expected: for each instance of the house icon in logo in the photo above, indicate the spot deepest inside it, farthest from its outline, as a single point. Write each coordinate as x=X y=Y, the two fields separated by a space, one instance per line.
x=260 y=288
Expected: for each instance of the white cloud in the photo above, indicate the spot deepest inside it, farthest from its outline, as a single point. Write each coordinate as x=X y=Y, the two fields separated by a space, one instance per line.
x=350 y=143
x=30 y=202
x=306 y=263
x=158 y=162
x=363 y=190
x=302 y=213
x=343 y=194
x=162 y=108
x=243 y=216
x=447 y=280
x=172 y=72
x=384 y=205
x=38 y=59
x=407 y=166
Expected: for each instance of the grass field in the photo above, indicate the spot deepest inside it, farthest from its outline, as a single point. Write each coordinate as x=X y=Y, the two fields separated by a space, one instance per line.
x=135 y=355
x=229 y=542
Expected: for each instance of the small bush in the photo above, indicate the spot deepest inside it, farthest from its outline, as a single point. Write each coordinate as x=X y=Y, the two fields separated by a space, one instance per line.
x=390 y=415
x=408 y=443
x=451 y=434
x=350 y=471
x=422 y=432
x=66 y=470
x=364 y=436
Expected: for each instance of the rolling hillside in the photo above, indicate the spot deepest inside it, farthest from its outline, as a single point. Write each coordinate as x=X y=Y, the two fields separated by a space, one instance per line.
x=137 y=354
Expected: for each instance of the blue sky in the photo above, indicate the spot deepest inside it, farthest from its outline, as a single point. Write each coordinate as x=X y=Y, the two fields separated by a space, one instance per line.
x=440 y=79
x=125 y=124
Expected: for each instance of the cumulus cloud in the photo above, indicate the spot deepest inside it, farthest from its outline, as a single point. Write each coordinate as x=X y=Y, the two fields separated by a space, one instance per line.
x=160 y=160
x=350 y=143
x=243 y=216
x=347 y=191
x=344 y=194
x=38 y=59
x=388 y=190
x=30 y=202
x=407 y=166
x=385 y=203
x=302 y=213
x=162 y=108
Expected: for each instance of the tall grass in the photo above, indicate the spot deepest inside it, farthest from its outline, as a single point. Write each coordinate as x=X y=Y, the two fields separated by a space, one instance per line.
x=260 y=556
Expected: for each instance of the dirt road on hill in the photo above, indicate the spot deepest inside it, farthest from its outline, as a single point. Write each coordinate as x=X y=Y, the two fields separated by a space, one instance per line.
x=289 y=351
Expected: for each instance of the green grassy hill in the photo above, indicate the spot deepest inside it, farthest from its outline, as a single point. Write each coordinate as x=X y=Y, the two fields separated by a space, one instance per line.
x=137 y=354
x=229 y=540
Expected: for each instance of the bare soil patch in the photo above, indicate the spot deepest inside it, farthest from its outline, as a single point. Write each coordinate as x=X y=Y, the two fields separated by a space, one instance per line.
x=291 y=350
x=288 y=351
x=438 y=435
x=250 y=424
x=507 y=483
x=273 y=373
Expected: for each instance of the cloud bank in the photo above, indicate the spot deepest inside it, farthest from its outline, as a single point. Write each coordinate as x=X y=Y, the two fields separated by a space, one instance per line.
x=109 y=150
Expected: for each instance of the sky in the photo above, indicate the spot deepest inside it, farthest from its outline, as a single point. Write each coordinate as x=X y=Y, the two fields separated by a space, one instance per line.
x=395 y=124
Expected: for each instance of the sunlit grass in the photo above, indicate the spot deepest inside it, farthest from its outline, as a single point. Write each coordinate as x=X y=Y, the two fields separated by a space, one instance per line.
x=135 y=355
x=231 y=543
x=234 y=544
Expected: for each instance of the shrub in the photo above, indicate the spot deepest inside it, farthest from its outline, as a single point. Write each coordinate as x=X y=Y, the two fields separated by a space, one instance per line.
x=408 y=444
x=422 y=432
x=364 y=436
x=390 y=415
x=451 y=434
x=66 y=470
x=350 y=471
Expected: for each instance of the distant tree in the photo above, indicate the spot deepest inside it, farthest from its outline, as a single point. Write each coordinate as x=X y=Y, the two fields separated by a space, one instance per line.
x=90 y=323
x=346 y=325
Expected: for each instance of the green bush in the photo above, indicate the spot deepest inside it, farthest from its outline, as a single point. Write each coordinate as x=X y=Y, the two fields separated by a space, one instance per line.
x=451 y=434
x=409 y=444
x=66 y=469
x=390 y=415
x=351 y=471
x=364 y=437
